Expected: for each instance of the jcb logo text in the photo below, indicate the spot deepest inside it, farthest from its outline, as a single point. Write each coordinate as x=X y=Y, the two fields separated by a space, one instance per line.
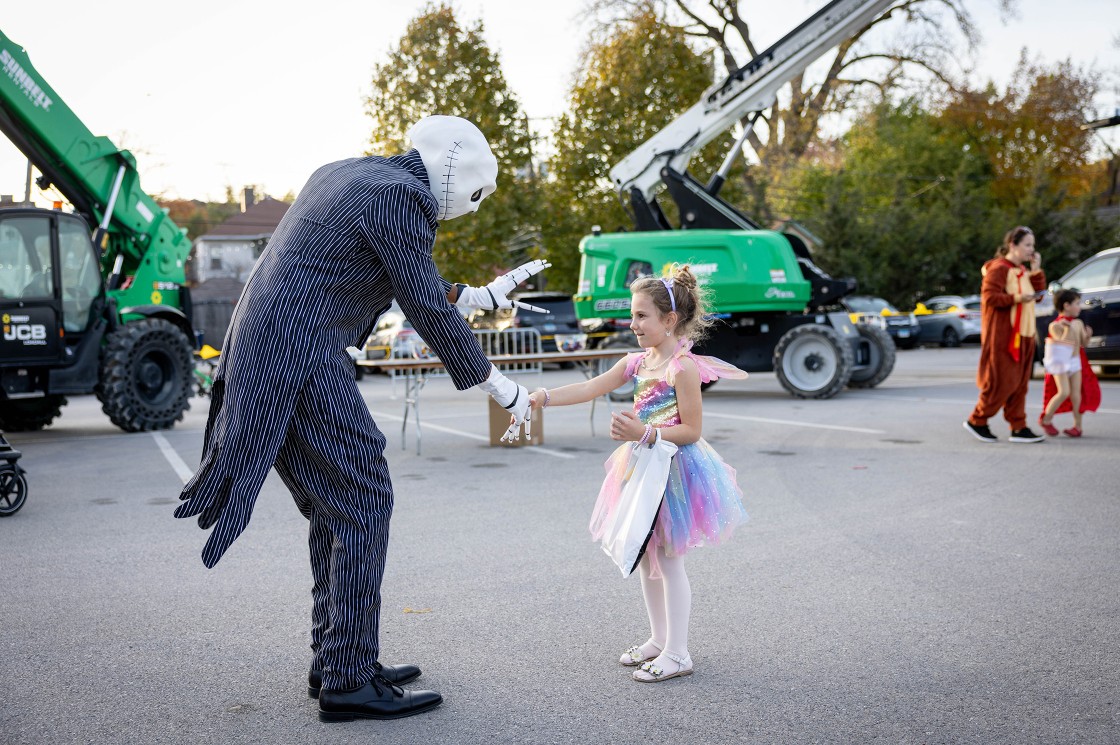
x=28 y=333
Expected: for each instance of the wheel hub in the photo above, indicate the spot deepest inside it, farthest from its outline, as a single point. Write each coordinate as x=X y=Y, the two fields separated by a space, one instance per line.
x=150 y=375
x=809 y=362
x=153 y=375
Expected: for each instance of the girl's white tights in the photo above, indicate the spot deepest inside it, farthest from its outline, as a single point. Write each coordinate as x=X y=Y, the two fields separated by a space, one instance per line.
x=669 y=604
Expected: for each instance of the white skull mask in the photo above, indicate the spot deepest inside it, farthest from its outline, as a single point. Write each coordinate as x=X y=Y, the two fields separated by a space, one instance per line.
x=462 y=171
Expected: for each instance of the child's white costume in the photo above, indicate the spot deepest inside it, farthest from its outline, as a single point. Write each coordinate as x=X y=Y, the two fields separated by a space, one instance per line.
x=1063 y=346
x=1065 y=355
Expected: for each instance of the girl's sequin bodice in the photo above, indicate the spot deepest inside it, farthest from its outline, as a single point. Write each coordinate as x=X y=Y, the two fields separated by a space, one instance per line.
x=655 y=402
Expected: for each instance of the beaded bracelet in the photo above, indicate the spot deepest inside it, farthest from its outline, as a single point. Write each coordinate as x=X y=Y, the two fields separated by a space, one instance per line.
x=547 y=397
x=645 y=436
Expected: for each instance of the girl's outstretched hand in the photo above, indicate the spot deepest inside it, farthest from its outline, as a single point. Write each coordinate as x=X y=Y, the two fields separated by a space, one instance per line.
x=625 y=425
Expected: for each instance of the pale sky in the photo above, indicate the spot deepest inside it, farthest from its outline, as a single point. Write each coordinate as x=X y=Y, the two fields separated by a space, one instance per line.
x=236 y=92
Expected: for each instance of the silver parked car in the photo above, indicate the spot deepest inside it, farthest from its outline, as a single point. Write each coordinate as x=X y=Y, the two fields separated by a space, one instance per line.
x=948 y=320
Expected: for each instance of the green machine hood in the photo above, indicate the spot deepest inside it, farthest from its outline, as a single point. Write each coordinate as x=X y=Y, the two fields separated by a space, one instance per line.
x=744 y=271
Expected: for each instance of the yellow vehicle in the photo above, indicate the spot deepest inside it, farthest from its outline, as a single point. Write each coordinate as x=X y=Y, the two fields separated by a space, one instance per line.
x=902 y=327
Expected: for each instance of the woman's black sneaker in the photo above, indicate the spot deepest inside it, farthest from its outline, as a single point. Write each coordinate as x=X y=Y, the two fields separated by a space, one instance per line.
x=1025 y=435
x=981 y=432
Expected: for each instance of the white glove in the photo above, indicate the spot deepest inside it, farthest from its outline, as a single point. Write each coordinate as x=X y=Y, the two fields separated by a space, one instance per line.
x=513 y=398
x=493 y=295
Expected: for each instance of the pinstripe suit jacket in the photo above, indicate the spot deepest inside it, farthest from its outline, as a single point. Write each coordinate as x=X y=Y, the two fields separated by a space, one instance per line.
x=360 y=234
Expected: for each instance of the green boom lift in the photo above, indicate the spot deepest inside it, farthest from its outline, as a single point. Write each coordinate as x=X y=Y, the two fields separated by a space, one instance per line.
x=92 y=301
x=777 y=309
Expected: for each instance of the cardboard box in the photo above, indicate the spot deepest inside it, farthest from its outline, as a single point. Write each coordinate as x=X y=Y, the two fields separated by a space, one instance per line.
x=499 y=423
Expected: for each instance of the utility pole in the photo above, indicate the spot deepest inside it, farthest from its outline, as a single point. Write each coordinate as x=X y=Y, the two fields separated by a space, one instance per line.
x=1113 y=193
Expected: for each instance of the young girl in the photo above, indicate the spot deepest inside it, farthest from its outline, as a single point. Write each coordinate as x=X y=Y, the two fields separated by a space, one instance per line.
x=703 y=503
x=1067 y=371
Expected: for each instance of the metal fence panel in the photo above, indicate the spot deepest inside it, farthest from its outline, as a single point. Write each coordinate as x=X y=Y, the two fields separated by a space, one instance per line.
x=494 y=343
x=511 y=341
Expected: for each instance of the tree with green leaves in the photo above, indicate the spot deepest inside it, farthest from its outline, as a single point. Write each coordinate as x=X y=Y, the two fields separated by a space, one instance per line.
x=908 y=212
x=913 y=43
x=1040 y=158
x=911 y=201
x=630 y=84
x=1032 y=129
x=199 y=218
x=442 y=67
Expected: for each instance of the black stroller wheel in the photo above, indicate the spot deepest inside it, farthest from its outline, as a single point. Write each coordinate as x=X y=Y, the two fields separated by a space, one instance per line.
x=13 y=491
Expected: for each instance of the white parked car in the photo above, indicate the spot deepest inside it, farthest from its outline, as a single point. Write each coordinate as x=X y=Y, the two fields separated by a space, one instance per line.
x=393 y=336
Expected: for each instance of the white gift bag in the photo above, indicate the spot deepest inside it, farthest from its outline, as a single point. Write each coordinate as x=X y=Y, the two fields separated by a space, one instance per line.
x=643 y=488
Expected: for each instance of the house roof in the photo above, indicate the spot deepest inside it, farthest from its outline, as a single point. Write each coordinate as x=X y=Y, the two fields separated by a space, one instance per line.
x=259 y=220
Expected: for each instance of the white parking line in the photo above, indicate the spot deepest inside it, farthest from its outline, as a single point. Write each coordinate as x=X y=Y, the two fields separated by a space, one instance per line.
x=955 y=402
x=792 y=423
x=916 y=399
x=173 y=458
x=472 y=435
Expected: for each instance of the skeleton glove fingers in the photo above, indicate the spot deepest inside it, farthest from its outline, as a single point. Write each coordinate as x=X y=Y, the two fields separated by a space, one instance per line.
x=528 y=269
x=519 y=409
x=496 y=292
x=510 y=396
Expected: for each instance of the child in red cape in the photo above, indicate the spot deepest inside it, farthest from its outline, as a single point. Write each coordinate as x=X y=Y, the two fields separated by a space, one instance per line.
x=1070 y=384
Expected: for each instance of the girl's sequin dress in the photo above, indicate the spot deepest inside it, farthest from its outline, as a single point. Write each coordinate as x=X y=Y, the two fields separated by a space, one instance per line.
x=703 y=502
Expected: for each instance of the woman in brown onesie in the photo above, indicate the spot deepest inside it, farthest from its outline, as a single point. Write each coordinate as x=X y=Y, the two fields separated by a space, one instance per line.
x=1010 y=283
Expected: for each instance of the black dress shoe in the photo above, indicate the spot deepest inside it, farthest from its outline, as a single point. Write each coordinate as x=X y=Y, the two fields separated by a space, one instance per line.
x=377 y=699
x=395 y=674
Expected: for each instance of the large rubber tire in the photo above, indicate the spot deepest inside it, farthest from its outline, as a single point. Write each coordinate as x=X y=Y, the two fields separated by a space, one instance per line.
x=146 y=377
x=13 y=491
x=813 y=361
x=626 y=340
x=30 y=414
x=950 y=337
x=882 y=357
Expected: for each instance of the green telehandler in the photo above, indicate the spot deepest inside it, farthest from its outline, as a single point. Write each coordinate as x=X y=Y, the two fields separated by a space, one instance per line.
x=778 y=311
x=94 y=300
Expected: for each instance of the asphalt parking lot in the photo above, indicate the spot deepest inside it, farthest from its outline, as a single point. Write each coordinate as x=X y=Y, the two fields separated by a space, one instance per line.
x=898 y=582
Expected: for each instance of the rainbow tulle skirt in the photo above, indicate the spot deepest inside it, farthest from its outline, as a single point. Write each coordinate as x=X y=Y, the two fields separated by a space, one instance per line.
x=703 y=503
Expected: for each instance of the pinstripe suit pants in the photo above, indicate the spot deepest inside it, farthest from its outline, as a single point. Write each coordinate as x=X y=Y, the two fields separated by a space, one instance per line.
x=332 y=461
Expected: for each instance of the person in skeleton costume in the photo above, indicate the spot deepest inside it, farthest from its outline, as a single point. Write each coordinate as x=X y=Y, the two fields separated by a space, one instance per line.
x=359 y=235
